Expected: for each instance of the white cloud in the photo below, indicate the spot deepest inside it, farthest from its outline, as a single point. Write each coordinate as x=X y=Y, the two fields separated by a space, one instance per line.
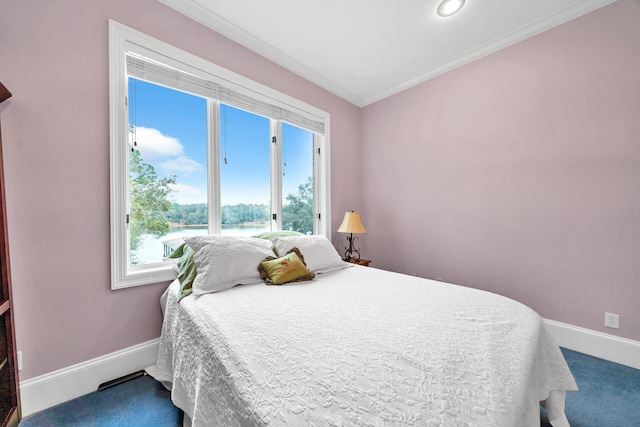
x=186 y=194
x=153 y=144
x=181 y=165
x=163 y=151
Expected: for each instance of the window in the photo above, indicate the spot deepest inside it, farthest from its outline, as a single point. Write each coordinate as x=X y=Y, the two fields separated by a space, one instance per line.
x=167 y=150
x=197 y=149
x=297 y=179
x=245 y=172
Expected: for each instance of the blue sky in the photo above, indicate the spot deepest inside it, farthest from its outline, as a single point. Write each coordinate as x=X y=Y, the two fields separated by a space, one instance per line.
x=171 y=134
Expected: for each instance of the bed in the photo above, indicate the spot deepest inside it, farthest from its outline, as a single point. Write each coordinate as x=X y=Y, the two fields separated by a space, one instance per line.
x=358 y=346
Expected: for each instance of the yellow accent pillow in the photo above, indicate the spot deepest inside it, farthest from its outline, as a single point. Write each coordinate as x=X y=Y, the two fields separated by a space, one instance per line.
x=288 y=268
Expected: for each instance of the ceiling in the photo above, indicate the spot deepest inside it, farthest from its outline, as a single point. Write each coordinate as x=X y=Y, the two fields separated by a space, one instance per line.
x=366 y=50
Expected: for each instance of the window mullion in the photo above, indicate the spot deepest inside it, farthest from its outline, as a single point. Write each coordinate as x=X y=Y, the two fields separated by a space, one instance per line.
x=322 y=184
x=276 y=174
x=213 y=169
x=317 y=183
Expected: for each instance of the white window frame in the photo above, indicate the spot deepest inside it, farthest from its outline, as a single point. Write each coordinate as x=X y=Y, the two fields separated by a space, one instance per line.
x=121 y=39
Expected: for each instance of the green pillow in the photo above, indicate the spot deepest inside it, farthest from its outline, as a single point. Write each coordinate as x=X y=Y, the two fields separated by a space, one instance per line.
x=186 y=269
x=288 y=268
x=270 y=235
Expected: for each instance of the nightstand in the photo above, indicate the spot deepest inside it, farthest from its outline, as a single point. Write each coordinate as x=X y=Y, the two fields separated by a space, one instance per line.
x=359 y=261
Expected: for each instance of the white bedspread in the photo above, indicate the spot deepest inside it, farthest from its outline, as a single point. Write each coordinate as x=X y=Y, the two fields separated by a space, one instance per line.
x=359 y=347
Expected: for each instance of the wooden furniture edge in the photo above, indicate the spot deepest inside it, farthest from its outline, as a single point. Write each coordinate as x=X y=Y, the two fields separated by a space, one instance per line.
x=14 y=415
x=4 y=93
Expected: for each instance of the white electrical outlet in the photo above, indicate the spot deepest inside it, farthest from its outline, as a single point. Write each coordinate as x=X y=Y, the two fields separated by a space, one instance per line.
x=19 y=361
x=612 y=320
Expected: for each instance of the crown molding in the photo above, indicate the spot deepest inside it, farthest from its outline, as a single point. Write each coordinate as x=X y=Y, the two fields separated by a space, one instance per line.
x=209 y=19
x=509 y=39
x=231 y=31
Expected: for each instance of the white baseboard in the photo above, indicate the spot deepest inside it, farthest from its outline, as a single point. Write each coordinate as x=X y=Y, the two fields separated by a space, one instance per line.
x=45 y=391
x=65 y=384
x=609 y=347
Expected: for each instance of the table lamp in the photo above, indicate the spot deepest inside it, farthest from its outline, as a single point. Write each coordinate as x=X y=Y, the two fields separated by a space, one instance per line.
x=351 y=224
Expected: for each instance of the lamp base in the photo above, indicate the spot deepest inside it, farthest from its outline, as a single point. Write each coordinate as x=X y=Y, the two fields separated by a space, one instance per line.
x=348 y=254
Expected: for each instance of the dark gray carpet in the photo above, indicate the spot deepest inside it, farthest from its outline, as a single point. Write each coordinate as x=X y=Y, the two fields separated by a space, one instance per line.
x=609 y=393
x=609 y=396
x=140 y=402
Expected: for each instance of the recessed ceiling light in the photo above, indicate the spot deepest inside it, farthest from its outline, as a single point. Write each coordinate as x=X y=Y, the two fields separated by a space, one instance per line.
x=450 y=7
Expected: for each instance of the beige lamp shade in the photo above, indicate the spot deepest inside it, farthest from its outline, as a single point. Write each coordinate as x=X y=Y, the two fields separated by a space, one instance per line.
x=351 y=223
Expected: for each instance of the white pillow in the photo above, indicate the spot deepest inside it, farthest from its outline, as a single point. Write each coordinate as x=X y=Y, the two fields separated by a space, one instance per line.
x=319 y=254
x=224 y=261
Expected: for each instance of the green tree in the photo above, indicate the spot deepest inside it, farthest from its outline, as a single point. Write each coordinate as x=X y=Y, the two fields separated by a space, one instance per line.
x=245 y=213
x=297 y=214
x=188 y=214
x=148 y=195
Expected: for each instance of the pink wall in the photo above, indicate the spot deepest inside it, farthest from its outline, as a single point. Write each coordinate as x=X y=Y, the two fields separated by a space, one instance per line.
x=54 y=58
x=519 y=173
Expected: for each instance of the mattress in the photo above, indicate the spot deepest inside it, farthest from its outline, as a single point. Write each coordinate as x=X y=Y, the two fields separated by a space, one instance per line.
x=359 y=347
